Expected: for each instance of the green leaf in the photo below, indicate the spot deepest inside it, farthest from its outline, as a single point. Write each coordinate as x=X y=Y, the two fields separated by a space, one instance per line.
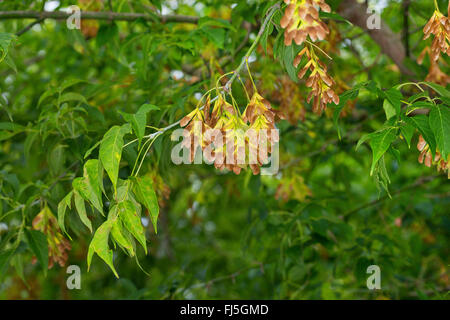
x=440 y=125
x=10 y=62
x=267 y=32
x=56 y=159
x=147 y=196
x=343 y=98
x=439 y=89
x=5 y=257
x=71 y=96
x=88 y=153
x=38 y=244
x=69 y=83
x=132 y=221
x=106 y=34
x=50 y=92
x=421 y=122
x=417 y=96
x=363 y=139
x=217 y=36
x=92 y=174
x=395 y=98
x=17 y=262
x=138 y=120
x=389 y=109
x=29 y=142
x=395 y=152
x=407 y=131
x=278 y=46
x=419 y=105
x=111 y=152
x=379 y=143
x=99 y=245
x=333 y=16
x=65 y=203
x=10 y=129
x=381 y=176
x=6 y=40
x=288 y=61
x=119 y=233
x=81 y=209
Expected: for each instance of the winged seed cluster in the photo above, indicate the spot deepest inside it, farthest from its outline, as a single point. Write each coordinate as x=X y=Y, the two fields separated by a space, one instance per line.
x=439 y=26
x=223 y=133
x=300 y=21
x=426 y=157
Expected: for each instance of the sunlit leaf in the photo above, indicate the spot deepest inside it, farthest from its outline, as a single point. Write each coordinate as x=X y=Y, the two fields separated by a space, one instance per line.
x=93 y=181
x=79 y=204
x=147 y=196
x=132 y=221
x=65 y=203
x=99 y=245
x=138 y=120
x=111 y=151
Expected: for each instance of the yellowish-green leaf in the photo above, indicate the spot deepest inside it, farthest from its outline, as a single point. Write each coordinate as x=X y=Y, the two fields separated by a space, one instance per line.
x=132 y=221
x=71 y=96
x=111 y=151
x=92 y=177
x=138 y=120
x=118 y=232
x=99 y=245
x=81 y=209
x=147 y=196
x=65 y=203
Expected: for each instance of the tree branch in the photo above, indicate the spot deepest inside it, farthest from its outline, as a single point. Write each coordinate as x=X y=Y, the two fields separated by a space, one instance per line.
x=28 y=27
x=405 y=5
x=97 y=15
x=389 y=42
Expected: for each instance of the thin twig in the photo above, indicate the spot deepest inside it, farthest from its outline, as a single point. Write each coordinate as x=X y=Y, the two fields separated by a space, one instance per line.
x=97 y=15
x=28 y=27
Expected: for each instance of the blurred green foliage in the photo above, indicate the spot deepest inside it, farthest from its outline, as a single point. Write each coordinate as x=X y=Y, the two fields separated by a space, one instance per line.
x=309 y=232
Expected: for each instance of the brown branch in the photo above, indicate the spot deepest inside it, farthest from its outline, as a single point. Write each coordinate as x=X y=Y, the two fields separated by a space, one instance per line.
x=389 y=42
x=97 y=15
x=405 y=5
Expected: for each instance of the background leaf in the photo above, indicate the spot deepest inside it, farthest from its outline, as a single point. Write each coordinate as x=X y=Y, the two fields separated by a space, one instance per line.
x=38 y=244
